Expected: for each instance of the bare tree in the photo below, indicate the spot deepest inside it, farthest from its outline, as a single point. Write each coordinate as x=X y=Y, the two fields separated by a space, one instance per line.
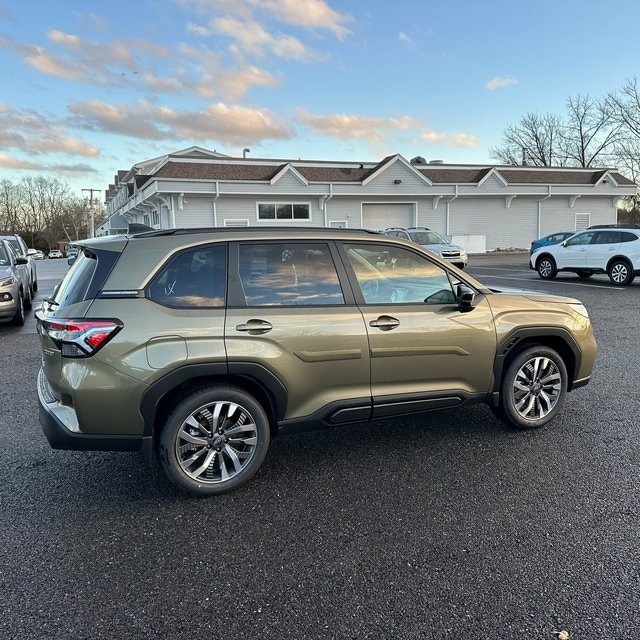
x=590 y=132
x=536 y=140
x=10 y=207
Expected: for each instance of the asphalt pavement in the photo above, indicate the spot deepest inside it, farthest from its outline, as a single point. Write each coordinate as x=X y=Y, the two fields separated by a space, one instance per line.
x=441 y=526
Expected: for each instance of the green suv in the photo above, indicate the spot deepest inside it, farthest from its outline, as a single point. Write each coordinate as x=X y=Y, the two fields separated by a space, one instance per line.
x=203 y=344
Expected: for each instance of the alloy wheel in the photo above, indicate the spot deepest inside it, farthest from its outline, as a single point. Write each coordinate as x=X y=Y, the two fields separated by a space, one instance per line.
x=537 y=387
x=216 y=442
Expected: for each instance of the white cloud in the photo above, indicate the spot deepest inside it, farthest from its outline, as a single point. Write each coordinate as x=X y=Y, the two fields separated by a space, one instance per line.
x=34 y=134
x=499 y=83
x=460 y=140
x=343 y=126
x=405 y=39
x=216 y=123
x=10 y=162
x=309 y=14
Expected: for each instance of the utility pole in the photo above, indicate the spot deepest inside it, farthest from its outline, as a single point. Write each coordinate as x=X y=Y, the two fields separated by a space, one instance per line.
x=91 y=192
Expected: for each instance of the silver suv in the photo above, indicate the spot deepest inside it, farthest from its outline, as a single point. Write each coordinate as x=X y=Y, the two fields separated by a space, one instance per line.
x=432 y=241
x=15 y=291
x=21 y=249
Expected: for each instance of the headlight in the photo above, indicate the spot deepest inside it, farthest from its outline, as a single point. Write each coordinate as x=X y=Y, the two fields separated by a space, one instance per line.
x=581 y=309
x=7 y=282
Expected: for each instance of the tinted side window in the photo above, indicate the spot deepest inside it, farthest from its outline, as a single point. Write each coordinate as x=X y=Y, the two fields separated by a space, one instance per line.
x=580 y=239
x=627 y=236
x=394 y=275
x=607 y=237
x=192 y=279
x=286 y=274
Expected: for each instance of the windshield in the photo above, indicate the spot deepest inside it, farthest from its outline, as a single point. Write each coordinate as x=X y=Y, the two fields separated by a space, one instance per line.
x=427 y=237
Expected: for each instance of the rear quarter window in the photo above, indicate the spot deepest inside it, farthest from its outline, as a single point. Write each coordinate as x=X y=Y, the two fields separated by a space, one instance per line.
x=86 y=277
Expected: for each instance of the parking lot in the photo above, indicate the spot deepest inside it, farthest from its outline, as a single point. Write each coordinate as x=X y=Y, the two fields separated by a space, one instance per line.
x=445 y=525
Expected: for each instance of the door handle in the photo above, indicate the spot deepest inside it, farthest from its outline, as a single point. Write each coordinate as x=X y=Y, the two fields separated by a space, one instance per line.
x=255 y=327
x=385 y=323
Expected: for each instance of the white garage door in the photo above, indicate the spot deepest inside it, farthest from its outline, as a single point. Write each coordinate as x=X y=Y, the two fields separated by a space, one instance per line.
x=381 y=216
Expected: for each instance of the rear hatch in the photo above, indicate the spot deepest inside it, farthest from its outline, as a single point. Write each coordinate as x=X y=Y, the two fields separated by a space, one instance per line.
x=61 y=327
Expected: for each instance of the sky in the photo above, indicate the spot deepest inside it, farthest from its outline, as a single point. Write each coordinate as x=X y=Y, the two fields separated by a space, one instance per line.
x=90 y=87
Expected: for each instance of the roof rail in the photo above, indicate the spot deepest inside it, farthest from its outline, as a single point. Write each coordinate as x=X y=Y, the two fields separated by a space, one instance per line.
x=234 y=230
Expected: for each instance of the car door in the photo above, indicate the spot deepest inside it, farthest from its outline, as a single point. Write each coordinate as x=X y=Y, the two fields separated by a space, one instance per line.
x=603 y=247
x=288 y=314
x=573 y=252
x=425 y=352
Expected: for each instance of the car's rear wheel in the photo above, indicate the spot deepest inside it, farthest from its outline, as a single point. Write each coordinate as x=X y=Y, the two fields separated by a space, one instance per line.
x=533 y=387
x=546 y=268
x=620 y=273
x=214 y=440
x=18 y=318
x=28 y=300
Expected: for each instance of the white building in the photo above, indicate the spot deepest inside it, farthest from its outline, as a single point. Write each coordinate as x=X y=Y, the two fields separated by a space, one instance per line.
x=481 y=207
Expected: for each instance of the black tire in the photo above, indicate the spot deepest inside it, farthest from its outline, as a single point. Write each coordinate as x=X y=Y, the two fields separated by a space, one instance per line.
x=533 y=387
x=546 y=268
x=35 y=286
x=620 y=273
x=28 y=299
x=214 y=440
x=18 y=318
x=583 y=275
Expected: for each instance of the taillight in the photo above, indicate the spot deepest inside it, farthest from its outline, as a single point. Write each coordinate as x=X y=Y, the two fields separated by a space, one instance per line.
x=79 y=338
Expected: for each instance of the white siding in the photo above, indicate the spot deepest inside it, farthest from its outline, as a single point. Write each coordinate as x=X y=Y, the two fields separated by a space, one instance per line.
x=384 y=184
x=512 y=227
x=345 y=209
x=557 y=215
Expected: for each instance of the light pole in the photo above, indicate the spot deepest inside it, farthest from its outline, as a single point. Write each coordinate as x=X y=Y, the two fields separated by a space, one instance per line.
x=91 y=192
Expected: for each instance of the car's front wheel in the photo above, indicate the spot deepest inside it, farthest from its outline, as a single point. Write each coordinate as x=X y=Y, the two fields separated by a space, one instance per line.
x=18 y=318
x=533 y=387
x=546 y=268
x=214 y=440
x=620 y=273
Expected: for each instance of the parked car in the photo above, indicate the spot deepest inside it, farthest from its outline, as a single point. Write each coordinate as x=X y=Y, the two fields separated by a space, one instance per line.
x=614 y=251
x=203 y=344
x=15 y=290
x=36 y=254
x=432 y=241
x=552 y=238
x=21 y=249
x=55 y=253
x=72 y=254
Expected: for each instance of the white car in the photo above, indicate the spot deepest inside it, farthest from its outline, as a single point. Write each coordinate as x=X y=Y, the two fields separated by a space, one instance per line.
x=614 y=250
x=54 y=253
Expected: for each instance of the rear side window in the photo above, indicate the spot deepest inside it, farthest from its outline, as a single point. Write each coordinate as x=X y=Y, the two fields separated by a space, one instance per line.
x=288 y=274
x=86 y=277
x=627 y=236
x=192 y=279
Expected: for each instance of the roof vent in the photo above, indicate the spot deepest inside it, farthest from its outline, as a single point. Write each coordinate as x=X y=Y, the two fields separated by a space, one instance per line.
x=418 y=160
x=436 y=161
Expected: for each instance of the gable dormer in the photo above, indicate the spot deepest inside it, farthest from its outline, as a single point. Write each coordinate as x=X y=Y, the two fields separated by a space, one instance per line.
x=288 y=170
x=396 y=170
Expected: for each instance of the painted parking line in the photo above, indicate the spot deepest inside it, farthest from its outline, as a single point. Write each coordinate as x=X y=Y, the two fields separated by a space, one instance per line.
x=574 y=284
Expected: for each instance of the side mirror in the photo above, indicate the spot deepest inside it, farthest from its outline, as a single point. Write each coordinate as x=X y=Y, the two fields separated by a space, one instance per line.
x=564 y=243
x=22 y=261
x=465 y=297
x=71 y=260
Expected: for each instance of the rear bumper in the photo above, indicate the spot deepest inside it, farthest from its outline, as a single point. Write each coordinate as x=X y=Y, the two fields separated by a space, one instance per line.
x=60 y=427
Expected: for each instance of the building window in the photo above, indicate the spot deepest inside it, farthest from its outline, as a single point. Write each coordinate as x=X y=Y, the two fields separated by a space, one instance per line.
x=145 y=219
x=283 y=211
x=156 y=218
